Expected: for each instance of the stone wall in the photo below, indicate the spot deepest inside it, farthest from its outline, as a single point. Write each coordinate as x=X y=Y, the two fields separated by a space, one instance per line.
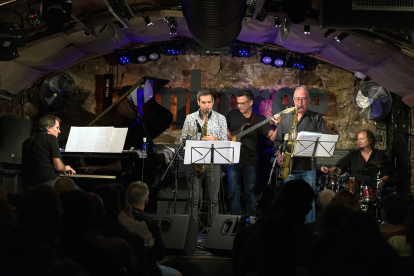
x=218 y=73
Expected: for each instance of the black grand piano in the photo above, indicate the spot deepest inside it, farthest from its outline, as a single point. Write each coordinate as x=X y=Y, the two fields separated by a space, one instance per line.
x=99 y=168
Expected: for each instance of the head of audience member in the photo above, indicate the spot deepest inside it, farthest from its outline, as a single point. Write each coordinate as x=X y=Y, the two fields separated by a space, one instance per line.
x=65 y=184
x=324 y=199
x=263 y=207
x=366 y=139
x=332 y=217
x=77 y=212
x=98 y=212
x=137 y=194
x=122 y=195
x=347 y=199
x=360 y=225
x=50 y=124
x=39 y=214
x=278 y=240
x=111 y=202
x=294 y=200
x=301 y=98
x=395 y=209
x=337 y=252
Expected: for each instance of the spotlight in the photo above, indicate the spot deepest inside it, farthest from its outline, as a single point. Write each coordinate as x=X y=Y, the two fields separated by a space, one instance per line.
x=277 y=22
x=242 y=50
x=306 y=29
x=142 y=55
x=8 y=53
x=122 y=56
x=329 y=32
x=56 y=14
x=33 y=19
x=299 y=63
x=172 y=24
x=11 y=37
x=341 y=37
x=273 y=58
x=172 y=48
x=147 y=20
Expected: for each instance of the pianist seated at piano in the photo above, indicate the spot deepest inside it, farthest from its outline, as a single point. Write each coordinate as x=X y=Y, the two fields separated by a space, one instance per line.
x=41 y=158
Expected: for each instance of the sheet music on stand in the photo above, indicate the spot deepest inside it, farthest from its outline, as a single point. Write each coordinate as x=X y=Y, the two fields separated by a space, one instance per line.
x=96 y=139
x=199 y=152
x=313 y=144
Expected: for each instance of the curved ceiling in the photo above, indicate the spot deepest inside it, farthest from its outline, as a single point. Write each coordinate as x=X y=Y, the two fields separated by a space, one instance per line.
x=389 y=68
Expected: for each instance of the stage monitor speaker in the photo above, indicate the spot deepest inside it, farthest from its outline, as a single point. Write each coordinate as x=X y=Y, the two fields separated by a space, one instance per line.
x=222 y=232
x=13 y=132
x=179 y=233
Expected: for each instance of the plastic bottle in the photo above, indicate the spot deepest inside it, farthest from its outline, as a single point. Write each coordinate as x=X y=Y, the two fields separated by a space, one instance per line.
x=144 y=145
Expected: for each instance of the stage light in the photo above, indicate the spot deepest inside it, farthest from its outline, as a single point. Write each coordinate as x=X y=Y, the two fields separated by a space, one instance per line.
x=142 y=55
x=172 y=48
x=122 y=56
x=299 y=63
x=306 y=29
x=147 y=20
x=273 y=58
x=277 y=22
x=172 y=24
x=341 y=37
x=8 y=53
x=56 y=14
x=329 y=32
x=242 y=50
x=33 y=19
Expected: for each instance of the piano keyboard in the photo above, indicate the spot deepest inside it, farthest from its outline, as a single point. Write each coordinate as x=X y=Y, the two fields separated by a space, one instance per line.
x=79 y=175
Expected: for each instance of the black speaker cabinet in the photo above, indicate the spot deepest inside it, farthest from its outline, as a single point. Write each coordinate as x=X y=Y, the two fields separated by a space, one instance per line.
x=13 y=132
x=222 y=233
x=179 y=233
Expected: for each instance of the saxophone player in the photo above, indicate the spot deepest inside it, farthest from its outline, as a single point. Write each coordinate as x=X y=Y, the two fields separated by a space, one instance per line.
x=216 y=131
x=307 y=121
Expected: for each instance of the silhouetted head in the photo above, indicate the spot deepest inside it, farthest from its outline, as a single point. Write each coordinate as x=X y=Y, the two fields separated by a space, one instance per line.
x=111 y=201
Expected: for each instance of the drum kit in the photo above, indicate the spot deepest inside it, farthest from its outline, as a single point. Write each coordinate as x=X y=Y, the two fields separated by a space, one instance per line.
x=369 y=196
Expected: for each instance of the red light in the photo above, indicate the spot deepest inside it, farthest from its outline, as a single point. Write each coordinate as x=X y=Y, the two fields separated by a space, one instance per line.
x=32 y=16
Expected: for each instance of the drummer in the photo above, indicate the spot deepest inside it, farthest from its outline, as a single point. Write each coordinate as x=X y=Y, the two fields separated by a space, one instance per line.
x=358 y=159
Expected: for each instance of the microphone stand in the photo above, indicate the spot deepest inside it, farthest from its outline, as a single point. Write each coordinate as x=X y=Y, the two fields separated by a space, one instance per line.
x=174 y=158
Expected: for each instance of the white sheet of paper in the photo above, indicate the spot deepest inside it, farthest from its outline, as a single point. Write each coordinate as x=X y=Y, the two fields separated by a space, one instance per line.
x=326 y=145
x=74 y=139
x=117 y=141
x=305 y=143
x=198 y=152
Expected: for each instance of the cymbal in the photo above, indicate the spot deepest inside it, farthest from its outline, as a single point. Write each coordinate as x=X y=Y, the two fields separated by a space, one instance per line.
x=374 y=170
x=379 y=165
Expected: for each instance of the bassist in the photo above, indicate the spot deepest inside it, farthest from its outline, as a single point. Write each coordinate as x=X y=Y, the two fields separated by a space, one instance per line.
x=246 y=168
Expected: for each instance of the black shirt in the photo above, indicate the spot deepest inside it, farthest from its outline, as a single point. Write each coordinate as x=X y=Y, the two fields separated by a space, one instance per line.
x=235 y=120
x=38 y=152
x=310 y=121
x=354 y=162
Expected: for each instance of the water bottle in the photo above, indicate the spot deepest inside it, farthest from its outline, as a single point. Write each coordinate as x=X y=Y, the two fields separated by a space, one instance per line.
x=144 y=145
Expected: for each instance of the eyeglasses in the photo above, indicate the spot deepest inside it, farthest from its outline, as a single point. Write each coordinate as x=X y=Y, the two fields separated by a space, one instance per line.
x=58 y=127
x=300 y=99
x=243 y=103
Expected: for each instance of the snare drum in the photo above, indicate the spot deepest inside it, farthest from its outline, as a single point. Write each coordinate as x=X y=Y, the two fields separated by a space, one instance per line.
x=366 y=193
x=328 y=182
x=353 y=185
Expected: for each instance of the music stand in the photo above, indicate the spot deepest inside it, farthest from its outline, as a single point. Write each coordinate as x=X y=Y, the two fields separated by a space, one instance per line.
x=210 y=153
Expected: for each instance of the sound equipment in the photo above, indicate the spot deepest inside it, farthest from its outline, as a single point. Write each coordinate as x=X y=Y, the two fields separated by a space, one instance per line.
x=13 y=132
x=179 y=233
x=222 y=232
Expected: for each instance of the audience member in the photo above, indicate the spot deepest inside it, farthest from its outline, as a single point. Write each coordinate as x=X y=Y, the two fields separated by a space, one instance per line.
x=79 y=241
x=113 y=228
x=138 y=197
x=348 y=199
x=40 y=221
x=127 y=219
x=64 y=184
x=262 y=210
x=332 y=217
x=324 y=199
x=394 y=212
x=403 y=244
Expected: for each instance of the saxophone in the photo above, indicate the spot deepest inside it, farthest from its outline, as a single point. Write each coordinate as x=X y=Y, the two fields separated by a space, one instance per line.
x=284 y=168
x=200 y=168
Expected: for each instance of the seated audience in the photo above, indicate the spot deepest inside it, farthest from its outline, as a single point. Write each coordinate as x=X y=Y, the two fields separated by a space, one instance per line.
x=332 y=217
x=138 y=198
x=262 y=210
x=323 y=200
x=394 y=212
x=347 y=199
x=403 y=243
x=65 y=184
x=83 y=244
x=113 y=228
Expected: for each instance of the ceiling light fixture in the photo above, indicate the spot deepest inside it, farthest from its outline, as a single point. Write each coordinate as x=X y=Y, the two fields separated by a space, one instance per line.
x=172 y=24
x=341 y=37
x=329 y=32
x=147 y=20
x=277 y=22
x=306 y=29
